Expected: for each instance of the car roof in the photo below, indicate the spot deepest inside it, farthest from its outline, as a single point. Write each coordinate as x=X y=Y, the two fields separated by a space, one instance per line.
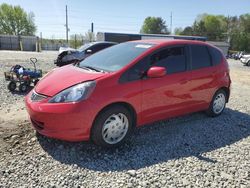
x=169 y=41
x=104 y=42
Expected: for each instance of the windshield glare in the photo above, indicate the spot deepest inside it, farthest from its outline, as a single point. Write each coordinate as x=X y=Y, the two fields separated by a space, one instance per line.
x=116 y=57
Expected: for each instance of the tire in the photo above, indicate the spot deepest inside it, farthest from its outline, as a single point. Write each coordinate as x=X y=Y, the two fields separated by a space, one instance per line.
x=216 y=108
x=12 y=86
x=112 y=127
x=23 y=87
x=248 y=63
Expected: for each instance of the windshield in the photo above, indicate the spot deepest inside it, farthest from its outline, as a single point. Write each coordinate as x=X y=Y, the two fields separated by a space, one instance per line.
x=85 y=46
x=115 y=57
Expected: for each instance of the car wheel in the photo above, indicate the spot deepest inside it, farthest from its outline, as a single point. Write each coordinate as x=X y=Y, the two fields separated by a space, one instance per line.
x=112 y=126
x=23 y=87
x=248 y=63
x=217 y=104
x=12 y=86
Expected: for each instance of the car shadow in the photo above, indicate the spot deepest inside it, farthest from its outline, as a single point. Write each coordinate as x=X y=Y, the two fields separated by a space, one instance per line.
x=188 y=136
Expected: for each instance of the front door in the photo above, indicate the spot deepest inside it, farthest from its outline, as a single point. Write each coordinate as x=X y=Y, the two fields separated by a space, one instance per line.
x=169 y=95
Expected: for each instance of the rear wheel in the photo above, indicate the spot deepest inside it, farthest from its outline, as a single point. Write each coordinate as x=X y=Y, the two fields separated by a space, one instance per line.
x=12 y=86
x=23 y=87
x=217 y=104
x=112 y=126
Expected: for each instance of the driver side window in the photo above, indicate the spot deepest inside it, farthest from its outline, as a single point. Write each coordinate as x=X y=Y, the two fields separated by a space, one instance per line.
x=173 y=59
x=136 y=72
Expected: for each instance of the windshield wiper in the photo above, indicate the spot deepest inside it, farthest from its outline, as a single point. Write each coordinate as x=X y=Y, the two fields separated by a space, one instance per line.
x=93 y=68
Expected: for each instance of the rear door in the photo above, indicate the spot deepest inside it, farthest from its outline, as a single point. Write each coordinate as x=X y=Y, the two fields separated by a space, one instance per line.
x=203 y=76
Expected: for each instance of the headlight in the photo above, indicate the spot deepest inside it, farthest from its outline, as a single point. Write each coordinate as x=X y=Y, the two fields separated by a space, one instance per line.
x=75 y=93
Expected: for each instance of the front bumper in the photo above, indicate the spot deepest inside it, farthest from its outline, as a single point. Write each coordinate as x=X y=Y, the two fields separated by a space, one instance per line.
x=64 y=121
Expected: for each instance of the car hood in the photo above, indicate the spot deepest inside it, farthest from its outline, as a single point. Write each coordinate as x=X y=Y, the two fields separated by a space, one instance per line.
x=62 y=78
x=63 y=49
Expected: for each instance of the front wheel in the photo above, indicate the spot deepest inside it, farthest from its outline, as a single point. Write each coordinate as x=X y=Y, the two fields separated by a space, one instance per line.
x=112 y=126
x=217 y=104
x=23 y=87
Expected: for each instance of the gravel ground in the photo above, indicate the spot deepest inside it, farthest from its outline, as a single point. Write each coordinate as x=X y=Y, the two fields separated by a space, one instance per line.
x=189 y=151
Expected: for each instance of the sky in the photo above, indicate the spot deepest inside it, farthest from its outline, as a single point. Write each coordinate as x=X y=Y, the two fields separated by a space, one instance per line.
x=120 y=16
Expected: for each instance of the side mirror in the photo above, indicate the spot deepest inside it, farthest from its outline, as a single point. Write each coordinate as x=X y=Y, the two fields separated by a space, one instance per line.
x=89 y=51
x=156 y=72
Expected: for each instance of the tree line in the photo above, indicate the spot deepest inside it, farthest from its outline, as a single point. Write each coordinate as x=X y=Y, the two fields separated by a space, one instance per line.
x=232 y=29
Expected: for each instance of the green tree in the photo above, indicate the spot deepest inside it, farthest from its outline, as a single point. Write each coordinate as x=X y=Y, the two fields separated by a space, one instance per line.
x=154 y=25
x=245 y=23
x=199 y=28
x=187 y=31
x=211 y=26
x=15 y=21
x=239 y=33
x=232 y=29
x=178 y=31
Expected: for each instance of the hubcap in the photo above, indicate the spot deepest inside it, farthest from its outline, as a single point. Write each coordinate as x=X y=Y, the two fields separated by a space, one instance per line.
x=219 y=103
x=24 y=87
x=115 y=128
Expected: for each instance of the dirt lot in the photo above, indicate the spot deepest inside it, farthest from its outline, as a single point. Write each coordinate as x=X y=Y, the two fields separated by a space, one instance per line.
x=189 y=151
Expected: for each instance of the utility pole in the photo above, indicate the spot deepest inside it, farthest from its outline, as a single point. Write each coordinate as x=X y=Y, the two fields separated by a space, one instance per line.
x=75 y=41
x=171 y=19
x=92 y=27
x=67 y=27
x=41 y=41
x=92 y=32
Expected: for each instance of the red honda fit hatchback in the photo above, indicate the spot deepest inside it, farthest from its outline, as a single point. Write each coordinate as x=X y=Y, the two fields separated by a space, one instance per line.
x=127 y=85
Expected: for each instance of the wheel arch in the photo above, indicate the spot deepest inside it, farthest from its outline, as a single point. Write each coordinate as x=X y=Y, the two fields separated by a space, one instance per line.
x=127 y=105
x=227 y=91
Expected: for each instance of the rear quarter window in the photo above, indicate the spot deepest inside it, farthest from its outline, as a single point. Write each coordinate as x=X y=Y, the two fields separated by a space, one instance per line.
x=200 y=57
x=215 y=55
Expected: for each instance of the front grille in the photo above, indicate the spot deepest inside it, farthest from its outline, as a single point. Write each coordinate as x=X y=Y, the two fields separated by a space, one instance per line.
x=37 y=124
x=37 y=97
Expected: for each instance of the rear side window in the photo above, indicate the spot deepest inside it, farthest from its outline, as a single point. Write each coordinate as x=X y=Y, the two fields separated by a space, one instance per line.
x=215 y=55
x=200 y=57
x=173 y=59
